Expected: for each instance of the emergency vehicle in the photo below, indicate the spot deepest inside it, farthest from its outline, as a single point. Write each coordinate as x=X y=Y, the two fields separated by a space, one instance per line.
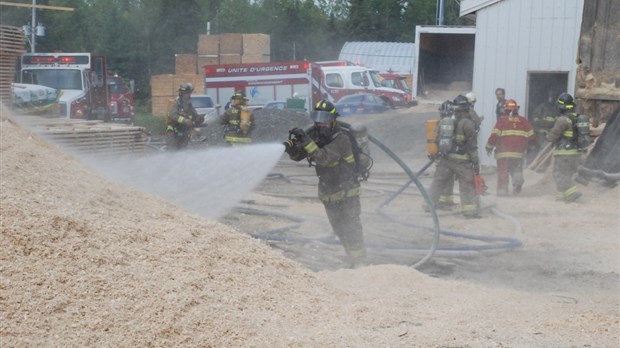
x=399 y=82
x=265 y=82
x=261 y=82
x=81 y=79
x=120 y=92
x=334 y=82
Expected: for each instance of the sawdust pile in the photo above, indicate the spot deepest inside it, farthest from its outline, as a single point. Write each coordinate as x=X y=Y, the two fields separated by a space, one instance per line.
x=87 y=262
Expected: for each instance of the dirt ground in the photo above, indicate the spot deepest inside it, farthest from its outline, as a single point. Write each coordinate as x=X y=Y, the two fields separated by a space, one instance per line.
x=88 y=262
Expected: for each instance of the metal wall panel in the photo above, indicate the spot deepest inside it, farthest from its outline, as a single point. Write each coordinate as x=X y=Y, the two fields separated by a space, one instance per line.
x=383 y=56
x=469 y=6
x=514 y=37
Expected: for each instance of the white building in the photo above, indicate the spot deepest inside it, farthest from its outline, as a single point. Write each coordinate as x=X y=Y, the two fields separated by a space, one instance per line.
x=394 y=57
x=528 y=47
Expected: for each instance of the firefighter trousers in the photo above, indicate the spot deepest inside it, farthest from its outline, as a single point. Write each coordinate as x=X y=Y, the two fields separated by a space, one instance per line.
x=176 y=140
x=444 y=176
x=344 y=217
x=446 y=198
x=564 y=169
x=508 y=168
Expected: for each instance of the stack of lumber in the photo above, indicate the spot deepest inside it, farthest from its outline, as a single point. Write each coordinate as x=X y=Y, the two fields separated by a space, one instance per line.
x=12 y=46
x=89 y=137
x=165 y=87
x=233 y=48
x=228 y=48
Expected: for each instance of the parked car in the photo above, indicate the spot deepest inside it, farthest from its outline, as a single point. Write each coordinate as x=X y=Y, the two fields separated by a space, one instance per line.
x=362 y=103
x=280 y=105
x=204 y=105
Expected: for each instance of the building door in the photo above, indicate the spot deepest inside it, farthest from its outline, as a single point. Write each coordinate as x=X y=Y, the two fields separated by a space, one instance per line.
x=543 y=85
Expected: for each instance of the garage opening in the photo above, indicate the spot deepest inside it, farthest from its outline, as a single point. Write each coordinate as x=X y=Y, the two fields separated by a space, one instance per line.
x=445 y=59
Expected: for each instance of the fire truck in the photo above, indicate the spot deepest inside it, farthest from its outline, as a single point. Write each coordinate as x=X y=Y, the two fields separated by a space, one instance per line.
x=82 y=80
x=265 y=82
x=120 y=92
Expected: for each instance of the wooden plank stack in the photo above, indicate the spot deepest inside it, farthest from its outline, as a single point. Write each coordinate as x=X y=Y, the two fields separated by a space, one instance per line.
x=256 y=48
x=228 y=48
x=164 y=88
x=233 y=48
x=12 y=46
x=90 y=137
x=185 y=64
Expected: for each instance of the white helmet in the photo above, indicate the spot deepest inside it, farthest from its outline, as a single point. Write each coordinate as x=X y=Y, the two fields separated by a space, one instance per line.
x=471 y=96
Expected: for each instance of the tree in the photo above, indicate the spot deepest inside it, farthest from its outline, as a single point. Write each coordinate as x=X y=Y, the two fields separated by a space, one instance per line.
x=141 y=37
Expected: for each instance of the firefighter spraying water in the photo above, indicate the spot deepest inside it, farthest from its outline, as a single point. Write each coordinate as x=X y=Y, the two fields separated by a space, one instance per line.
x=341 y=160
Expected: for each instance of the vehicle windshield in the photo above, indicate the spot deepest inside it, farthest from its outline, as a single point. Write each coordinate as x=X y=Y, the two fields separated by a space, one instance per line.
x=376 y=78
x=202 y=102
x=405 y=86
x=54 y=78
x=116 y=87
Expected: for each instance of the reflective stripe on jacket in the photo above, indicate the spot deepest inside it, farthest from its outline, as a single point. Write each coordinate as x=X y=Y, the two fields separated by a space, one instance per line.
x=511 y=136
x=563 y=138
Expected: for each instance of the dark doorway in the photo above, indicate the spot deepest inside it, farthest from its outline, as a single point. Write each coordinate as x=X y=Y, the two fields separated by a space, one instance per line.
x=445 y=59
x=543 y=85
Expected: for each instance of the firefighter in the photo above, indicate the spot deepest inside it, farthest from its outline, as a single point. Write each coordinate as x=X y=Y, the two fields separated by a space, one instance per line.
x=446 y=198
x=238 y=121
x=181 y=119
x=459 y=158
x=544 y=119
x=511 y=137
x=330 y=151
x=473 y=115
x=500 y=95
x=567 y=148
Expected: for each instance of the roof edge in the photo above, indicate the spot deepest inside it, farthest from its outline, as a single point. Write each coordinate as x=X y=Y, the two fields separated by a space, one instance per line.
x=471 y=6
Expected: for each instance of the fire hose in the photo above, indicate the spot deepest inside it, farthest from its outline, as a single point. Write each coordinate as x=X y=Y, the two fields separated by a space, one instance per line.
x=428 y=251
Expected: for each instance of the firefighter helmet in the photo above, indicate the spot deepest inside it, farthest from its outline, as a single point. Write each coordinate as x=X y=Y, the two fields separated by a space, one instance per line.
x=324 y=112
x=511 y=105
x=471 y=96
x=325 y=105
x=239 y=95
x=565 y=102
x=445 y=110
x=186 y=88
x=461 y=103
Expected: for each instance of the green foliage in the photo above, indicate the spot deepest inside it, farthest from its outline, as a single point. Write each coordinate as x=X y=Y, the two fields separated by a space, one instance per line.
x=141 y=37
x=153 y=124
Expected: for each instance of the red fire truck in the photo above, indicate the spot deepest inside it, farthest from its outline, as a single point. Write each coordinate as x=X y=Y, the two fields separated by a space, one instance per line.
x=265 y=82
x=82 y=80
x=120 y=92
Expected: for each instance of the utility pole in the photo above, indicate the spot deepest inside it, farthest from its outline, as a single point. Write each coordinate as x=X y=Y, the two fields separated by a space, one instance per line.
x=440 y=12
x=33 y=29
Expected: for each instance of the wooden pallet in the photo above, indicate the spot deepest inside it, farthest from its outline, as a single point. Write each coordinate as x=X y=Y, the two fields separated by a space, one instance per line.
x=89 y=136
x=12 y=46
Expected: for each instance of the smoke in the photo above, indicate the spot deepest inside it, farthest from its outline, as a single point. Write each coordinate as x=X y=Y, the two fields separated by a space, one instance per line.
x=208 y=182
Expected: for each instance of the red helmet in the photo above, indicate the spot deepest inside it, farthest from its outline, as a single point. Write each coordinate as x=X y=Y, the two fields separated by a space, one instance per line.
x=511 y=105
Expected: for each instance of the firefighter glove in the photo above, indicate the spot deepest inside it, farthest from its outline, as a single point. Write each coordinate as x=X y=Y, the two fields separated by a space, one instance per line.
x=288 y=146
x=299 y=135
x=476 y=167
x=188 y=123
x=489 y=150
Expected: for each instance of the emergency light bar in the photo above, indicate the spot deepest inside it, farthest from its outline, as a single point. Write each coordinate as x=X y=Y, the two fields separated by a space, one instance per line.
x=35 y=59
